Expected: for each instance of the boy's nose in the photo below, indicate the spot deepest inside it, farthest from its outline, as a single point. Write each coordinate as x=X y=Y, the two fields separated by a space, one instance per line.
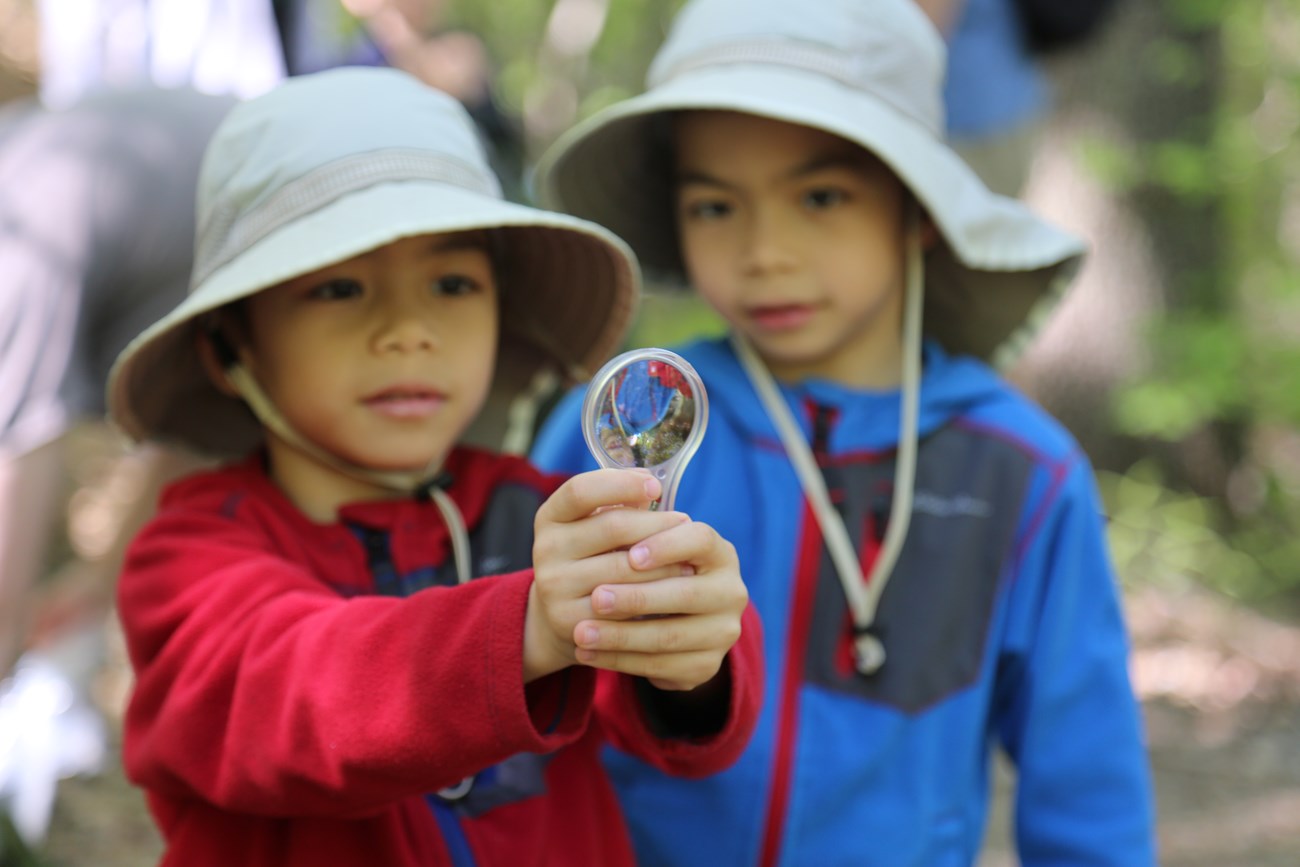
x=767 y=244
x=403 y=329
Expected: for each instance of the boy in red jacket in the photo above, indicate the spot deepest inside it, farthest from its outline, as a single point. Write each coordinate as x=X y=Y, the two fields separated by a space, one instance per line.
x=319 y=681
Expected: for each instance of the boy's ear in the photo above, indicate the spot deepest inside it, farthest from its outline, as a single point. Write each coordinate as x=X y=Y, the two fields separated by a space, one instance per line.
x=924 y=223
x=929 y=233
x=214 y=360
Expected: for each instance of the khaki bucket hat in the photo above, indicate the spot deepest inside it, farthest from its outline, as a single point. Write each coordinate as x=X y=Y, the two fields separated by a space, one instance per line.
x=869 y=71
x=330 y=166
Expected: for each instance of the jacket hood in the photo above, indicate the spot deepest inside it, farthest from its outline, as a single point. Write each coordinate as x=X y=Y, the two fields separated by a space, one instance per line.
x=865 y=420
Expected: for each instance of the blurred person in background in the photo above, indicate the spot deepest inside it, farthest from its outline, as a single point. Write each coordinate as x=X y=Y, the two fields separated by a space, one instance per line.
x=98 y=175
x=213 y=46
x=96 y=227
x=244 y=47
x=997 y=92
x=410 y=35
x=97 y=182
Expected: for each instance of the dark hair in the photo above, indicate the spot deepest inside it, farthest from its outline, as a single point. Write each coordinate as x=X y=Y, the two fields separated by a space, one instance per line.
x=661 y=161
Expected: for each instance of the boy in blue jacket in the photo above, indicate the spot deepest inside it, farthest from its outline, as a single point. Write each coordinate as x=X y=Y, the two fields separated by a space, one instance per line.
x=923 y=543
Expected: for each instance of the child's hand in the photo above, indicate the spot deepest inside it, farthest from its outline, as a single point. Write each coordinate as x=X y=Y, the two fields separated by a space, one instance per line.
x=644 y=593
x=675 y=628
x=583 y=532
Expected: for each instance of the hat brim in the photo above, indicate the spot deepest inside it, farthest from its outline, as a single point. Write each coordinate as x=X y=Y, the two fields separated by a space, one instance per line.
x=997 y=272
x=569 y=291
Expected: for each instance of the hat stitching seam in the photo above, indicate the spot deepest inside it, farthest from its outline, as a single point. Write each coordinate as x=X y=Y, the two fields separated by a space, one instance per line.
x=847 y=69
x=233 y=232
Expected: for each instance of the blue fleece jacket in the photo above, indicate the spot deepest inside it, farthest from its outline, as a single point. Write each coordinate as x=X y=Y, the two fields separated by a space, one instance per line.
x=1001 y=623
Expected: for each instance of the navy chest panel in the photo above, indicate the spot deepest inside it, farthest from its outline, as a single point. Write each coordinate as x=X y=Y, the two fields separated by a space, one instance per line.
x=936 y=609
x=501 y=542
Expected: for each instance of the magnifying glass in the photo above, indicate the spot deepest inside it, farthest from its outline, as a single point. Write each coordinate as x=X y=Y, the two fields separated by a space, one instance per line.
x=646 y=408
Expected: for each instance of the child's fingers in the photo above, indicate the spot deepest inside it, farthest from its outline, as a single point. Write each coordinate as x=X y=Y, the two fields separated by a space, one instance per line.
x=659 y=636
x=564 y=613
x=585 y=493
x=611 y=530
x=612 y=569
x=567 y=594
x=689 y=542
x=596 y=575
x=677 y=592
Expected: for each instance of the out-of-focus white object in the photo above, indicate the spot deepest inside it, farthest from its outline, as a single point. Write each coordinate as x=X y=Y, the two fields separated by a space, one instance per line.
x=214 y=46
x=48 y=732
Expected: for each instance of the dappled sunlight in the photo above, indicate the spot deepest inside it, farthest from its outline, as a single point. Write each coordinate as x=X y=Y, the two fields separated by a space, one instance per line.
x=1095 y=339
x=1220 y=686
x=1201 y=651
x=1267 y=824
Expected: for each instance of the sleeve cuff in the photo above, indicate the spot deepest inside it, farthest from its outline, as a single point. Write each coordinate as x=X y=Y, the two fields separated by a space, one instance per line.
x=549 y=712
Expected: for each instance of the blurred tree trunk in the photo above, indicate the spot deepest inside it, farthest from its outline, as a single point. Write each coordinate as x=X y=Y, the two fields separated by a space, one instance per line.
x=1156 y=73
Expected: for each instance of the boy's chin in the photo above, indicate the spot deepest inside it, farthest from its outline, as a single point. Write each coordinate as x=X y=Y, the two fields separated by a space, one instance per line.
x=407 y=460
x=777 y=354
x=404 y=465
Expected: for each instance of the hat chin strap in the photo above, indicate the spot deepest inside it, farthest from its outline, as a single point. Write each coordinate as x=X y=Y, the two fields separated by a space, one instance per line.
x=424 y=482
x=521 y=417
x=863 y=597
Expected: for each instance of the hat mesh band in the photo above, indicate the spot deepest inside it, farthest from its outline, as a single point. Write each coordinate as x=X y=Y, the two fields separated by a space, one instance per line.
x=855 y=70
x=230 y=232
x=1015 y=344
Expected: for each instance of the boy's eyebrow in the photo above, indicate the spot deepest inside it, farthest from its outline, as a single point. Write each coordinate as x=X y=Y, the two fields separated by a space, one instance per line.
x=695 y=176
x=822 y=162
x=455 y=241
x=853 y=161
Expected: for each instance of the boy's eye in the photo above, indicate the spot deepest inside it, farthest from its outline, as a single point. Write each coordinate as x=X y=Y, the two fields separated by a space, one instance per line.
x=824 y=197
x=706 y=209
x=336 y=290
x=455 y=284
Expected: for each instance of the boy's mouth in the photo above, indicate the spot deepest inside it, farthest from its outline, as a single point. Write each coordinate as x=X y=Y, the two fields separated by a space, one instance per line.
x=780 y=317
x=405 y=401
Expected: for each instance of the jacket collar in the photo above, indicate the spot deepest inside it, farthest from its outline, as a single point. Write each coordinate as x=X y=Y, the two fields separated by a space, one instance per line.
x=865 y=419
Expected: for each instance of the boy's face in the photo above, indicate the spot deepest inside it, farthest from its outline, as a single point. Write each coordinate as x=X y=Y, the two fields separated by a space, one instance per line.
x=384 y=359
x=796 y=237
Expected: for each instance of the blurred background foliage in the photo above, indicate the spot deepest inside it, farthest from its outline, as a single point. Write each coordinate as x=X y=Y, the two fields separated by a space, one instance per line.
x=1209 y=105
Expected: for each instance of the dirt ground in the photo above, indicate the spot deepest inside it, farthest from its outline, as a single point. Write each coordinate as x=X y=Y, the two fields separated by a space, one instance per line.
x=1221 y=691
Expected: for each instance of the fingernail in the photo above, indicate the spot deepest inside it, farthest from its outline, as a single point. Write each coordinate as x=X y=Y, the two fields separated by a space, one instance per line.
x=603 y=600
x=590 y=635
x=652 y=488
x=584 y=656
x=640 y=555
x=688 y=569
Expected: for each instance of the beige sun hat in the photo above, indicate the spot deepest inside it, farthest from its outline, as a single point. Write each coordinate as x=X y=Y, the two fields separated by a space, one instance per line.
x=869 y=71
x=332 y=165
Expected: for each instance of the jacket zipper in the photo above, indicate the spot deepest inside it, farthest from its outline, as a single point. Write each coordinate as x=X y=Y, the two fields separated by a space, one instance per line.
x=807 y=571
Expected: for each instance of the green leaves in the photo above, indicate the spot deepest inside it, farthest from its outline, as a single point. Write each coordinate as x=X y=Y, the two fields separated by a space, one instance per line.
x=1208 y=374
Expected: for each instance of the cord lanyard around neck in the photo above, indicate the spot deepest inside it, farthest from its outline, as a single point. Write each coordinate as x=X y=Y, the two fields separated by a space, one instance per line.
x=863 y=597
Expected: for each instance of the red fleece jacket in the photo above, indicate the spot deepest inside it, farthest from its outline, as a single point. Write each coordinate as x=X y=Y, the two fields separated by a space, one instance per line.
x=284 y=714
